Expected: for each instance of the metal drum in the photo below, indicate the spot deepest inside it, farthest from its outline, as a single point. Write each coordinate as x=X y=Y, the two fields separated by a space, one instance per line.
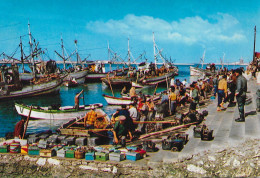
x=15 y=147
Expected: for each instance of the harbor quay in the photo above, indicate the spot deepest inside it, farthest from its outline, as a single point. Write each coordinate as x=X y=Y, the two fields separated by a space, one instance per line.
x=234 y=151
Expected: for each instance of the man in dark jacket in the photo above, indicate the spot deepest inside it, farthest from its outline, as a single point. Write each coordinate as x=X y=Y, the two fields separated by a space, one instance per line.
x=19 y=129
x=241 y=94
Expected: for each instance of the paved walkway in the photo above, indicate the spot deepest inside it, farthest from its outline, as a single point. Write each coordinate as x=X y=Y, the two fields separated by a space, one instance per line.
x=227 y=132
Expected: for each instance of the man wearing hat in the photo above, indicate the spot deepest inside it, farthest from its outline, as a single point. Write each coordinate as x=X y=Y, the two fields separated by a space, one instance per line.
x=120 y=131
x=241 y=94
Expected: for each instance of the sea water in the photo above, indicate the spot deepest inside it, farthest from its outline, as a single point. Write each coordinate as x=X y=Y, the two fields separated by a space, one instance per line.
x=92 y=94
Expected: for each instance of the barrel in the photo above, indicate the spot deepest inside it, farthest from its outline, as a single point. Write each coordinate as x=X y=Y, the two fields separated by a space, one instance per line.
x=15 y=147
x=79 y=154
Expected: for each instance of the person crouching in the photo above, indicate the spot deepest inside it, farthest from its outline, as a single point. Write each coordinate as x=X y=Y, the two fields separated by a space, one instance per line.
x=120 y=131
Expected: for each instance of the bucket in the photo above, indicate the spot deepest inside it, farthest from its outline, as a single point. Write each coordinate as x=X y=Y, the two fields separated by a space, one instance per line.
x=15 y=147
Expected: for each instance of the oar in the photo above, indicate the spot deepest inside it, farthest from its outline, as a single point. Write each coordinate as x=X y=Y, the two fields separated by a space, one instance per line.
x=27 y=121
x=110 y=85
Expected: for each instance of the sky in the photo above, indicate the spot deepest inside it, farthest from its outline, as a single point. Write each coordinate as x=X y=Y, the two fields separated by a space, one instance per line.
x=183 y=29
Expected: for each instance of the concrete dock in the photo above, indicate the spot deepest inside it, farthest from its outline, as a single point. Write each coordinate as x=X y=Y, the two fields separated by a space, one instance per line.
x=227 y=132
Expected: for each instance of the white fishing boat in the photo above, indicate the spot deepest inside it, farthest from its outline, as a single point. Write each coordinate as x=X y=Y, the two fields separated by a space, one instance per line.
x=54 y=113
x=111 y=100
x=137 y=85
x=195 y=71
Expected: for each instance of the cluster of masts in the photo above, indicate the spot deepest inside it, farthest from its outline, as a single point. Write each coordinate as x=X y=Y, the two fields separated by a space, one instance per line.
x=36 y=52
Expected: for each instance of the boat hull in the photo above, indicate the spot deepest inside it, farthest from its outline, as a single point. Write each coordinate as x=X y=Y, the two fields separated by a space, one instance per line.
x=80 y=76
x=118 y=101
x=52 y=86
x=43 y=113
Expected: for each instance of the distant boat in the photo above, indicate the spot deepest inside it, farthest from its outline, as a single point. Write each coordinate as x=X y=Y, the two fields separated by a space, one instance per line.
x=56 y=113
x=77 y=72
x=196 y=71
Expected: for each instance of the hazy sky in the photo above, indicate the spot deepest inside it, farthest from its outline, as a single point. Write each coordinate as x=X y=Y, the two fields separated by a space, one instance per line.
x=183 y=28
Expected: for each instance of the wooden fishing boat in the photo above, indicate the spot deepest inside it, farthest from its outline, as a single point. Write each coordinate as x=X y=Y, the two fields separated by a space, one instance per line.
x=78 y=75
x=71 y=83
x=11 y=87
x=54 y=113
x=111 y=100
x=76 y=126
x=118 y=81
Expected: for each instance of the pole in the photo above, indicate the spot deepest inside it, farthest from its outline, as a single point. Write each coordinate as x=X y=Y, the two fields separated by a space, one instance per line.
x=254 y=44
x=168 y=94
x=83 y=98
x=27 y=121
x=110 y=84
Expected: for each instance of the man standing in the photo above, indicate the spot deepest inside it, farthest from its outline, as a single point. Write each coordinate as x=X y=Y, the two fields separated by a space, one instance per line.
x=222 y=92
x=77 y=100
x=19 y=129
x=241 y=94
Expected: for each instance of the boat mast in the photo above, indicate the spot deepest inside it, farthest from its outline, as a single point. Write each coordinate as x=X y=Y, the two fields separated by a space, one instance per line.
x=108 y=56
x=203 y=57
x=21 y=45
x=63 y=55
x=128 y=54
x=31 y=47
x=154 y=52
x=77 y=54
x=254 y=45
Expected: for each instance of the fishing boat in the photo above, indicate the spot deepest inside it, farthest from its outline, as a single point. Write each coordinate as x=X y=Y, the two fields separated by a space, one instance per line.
x=12 y=88
x=79 y=72
x=209 y=71
x=71 y=83
x=111 y=100
x=76 y=126
x=54 y=112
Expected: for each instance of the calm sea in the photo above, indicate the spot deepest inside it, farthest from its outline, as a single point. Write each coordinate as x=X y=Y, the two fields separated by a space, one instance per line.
x=92 y=94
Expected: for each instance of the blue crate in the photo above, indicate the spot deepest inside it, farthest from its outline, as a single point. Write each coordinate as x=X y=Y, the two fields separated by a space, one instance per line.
x=90 y=156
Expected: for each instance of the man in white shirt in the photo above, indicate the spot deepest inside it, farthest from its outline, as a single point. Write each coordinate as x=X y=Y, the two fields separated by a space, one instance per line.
x=133 y=112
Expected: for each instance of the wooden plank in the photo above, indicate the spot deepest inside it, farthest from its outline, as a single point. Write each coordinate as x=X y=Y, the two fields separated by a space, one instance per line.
x=74 y=132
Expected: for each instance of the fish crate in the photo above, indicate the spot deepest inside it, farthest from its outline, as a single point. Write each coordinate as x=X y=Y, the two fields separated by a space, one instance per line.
x=43 y=144
x=24 y=149
x=207 y=135
x=149 y=146
x=70 y=153
x=15 y=147
x=52 y=139
x=33 y=150
x=133 y=156
x=4 y=148
x=61 y=138
x=177 y=145
x=44 y=136
x=93 y=141
x=81 y=141
x=133 y=148
x=142 y=153
x=69 y=141
x=184 y=137
x=197 y=131
x=32 y=139
x=90 y=156
x=116 y=157
x=79 y=154
x=47 y=153
x=101 y=156
x=61 y=153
